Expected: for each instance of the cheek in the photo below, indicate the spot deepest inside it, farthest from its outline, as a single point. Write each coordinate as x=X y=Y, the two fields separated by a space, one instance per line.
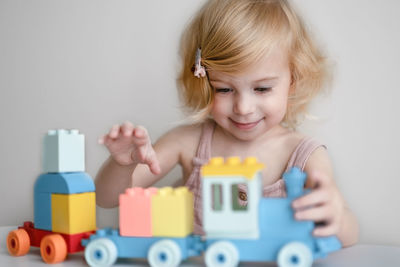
x=276 y=107
x=219 y=106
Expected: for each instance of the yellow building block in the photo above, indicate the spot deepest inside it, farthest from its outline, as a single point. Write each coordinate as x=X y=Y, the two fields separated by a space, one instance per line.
x=73 y=213
x=231 y=167
x=172 y=212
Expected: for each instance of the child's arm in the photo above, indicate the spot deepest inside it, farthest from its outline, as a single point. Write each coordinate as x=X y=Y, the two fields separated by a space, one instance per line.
x=134 y=161
x=325 y=203
x=128 y=146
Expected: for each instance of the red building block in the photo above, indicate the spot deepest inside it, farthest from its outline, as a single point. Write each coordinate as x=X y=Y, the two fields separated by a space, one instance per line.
x=73 y=241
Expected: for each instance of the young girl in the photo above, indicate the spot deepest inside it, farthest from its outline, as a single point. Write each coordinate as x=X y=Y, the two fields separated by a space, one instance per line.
x=249 y=71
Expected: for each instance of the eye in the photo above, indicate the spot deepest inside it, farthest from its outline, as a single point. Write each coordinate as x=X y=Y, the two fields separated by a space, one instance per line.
x=263 y=89
x=223 y=90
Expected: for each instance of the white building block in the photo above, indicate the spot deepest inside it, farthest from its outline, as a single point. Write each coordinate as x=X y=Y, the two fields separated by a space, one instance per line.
x=63 y=151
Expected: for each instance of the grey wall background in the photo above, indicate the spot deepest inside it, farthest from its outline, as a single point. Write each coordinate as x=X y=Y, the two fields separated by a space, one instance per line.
x=90 y=64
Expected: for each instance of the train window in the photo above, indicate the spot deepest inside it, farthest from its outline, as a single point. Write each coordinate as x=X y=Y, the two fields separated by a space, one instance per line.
x=239 y=197
x=217 y=202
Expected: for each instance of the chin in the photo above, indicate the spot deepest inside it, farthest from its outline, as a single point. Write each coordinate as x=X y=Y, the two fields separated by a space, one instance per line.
x=245 y=136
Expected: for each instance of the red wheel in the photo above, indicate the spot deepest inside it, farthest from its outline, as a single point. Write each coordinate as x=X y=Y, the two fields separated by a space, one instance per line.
x=53 y=249
x=18 y=242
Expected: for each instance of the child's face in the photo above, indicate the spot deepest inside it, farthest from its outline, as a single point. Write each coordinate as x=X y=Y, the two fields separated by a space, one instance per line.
x=250 y=104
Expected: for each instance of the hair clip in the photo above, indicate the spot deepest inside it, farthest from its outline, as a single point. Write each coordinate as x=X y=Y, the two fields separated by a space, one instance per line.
x=199 y=70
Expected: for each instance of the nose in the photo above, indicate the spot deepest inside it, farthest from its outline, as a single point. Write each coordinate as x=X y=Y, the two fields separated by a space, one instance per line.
x=243 y=105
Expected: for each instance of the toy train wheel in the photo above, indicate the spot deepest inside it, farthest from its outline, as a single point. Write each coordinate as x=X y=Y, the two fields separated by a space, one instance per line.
x=223 y=254
x=295 y=254
x=101 y=252
x=18 y=242
x=53 y=249
x=164 y=253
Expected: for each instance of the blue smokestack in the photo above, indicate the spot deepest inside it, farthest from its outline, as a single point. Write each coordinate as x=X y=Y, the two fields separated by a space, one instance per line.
x=294 y=181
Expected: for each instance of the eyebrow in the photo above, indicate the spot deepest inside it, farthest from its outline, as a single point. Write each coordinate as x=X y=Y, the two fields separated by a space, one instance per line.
x=259 y=80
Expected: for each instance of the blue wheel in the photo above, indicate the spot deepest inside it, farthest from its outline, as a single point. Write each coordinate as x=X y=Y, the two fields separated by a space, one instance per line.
x=222 y=254
x=164 y=253
x=295 y=254
x=101 y=252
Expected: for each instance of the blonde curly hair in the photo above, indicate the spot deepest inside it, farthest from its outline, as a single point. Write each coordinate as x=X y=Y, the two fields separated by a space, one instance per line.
x=233 y=34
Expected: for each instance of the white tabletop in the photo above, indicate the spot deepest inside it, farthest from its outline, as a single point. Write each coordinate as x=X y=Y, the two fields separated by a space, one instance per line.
x=359 y=255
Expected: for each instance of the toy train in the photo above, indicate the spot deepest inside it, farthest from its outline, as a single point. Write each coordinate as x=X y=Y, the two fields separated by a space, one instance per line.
x=64 y=201
x=263 y=230
x=157 y=224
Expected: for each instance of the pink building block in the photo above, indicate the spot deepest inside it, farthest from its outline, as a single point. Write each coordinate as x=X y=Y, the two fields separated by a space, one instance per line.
x=135 y=212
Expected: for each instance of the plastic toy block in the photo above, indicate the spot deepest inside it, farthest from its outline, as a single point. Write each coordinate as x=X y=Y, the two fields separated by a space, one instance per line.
x=63 y=151
x=217 y=167
x=172 y=212
x=104 y=247
x=64 y=183
x=294 y=182
x=74 y=241
x=42 y=210
x=74 y=213
x=221 y=217
x=36 y=236
x=135 y=212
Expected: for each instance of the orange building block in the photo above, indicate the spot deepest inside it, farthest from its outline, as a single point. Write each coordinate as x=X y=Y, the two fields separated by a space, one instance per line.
x=135 y=212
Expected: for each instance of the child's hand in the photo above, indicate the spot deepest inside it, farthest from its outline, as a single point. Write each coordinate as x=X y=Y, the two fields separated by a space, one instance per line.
x=324 y=204
x=129 y=144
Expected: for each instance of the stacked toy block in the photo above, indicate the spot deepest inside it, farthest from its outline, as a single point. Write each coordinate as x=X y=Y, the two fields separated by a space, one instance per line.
x=135 y=212
x=220 y=182
x=64 y=196
x=172 y=211
x=164 y=212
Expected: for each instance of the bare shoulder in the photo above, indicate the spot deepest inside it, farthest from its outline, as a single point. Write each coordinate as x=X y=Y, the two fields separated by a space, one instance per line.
x=319 y=162
x=183 y=134
x=181 y=139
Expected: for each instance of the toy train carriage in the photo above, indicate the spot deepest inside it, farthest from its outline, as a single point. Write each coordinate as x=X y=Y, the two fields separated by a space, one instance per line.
x=265 y=230
x=64 y=201
x=154 y=223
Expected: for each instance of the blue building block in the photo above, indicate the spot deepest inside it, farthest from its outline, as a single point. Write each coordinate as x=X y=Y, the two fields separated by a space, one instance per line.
x=58 y=183
x=63 y=151
x=294 y=182
x=104 y=247
x=42 y=210
x=64 y=183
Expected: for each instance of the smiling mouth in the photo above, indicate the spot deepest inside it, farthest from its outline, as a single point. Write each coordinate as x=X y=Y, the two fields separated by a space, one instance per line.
x=245 y=126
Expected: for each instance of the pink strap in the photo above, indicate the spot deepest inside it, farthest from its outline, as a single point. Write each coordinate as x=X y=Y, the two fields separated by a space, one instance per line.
x=302 y=152
x=204 y=148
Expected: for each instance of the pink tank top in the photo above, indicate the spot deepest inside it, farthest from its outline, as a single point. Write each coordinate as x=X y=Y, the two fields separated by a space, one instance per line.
x=298 y=158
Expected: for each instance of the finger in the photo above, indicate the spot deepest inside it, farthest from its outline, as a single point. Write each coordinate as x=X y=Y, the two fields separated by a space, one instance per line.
x=140 y=132
x=114 y=131
x=102 y=139
x=316 y=197
x=318 y=214
x=106 y=140
x=154 y=165
x=326 y=230
x=141 y=138
x=127 y=128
